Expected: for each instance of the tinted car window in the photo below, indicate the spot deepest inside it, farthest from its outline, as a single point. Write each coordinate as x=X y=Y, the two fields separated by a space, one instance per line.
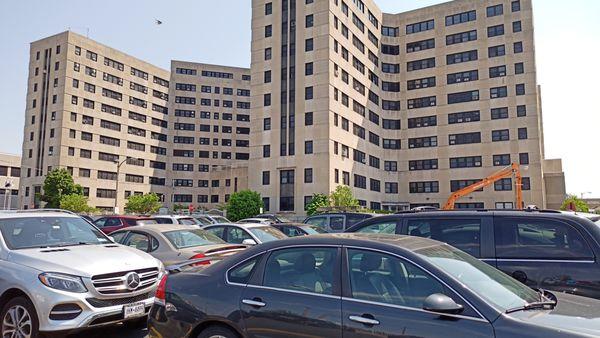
x=217 y=231
x=100 y=222
x=464 y=234
x=320 y=221
x=111 y=222
x=353 y=219
x=130 y=221
x=242 y=273
x=301 y=269
x=163 y=220
x=383 y=227
x=539 y=239
x=138 y=241
x=119 y=236
x=187 y=221
x=386 y=279
x=336 y=223
x=237 y=235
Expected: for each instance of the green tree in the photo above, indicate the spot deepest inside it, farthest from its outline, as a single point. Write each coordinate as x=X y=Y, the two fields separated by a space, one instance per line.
x=342 y=197
x=317 y=201
x=243 y=204
x=58 y=183
x=580 y=204
x=143 y=204
x=76 y=203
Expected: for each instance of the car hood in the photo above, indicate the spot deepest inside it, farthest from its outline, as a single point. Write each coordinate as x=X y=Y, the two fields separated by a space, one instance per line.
x=84 y=260
x=571 y=314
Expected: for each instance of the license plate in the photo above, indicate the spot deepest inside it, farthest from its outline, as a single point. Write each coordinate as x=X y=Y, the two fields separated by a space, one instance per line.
x=134 y=310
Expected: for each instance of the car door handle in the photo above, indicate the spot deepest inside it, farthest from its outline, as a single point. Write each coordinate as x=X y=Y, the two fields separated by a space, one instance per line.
x=364 y=320
x=253 y=302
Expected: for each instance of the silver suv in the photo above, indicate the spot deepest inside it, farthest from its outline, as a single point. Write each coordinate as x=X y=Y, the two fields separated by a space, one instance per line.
x=59 y=273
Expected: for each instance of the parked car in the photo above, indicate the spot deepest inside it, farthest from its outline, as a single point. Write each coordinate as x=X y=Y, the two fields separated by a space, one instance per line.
x=298 y=229
x=274 y=218
x=59 y=273
x=542 y=249
x=177 y=219
x=207 y=219
x=109 y=224
x=245 y=233
x=337 y=221
x=256 y=220
x=173 y=243
x=361 y=285
x=87 y=218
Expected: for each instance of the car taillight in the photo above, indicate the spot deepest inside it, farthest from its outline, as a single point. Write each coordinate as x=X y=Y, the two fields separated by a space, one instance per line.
x=161 y=291
x=199 y=256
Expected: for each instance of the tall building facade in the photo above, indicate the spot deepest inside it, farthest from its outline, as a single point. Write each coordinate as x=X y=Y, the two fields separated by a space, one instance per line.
x=209 y=132
x=404 y=108
x=107 y=118
x=10 y=172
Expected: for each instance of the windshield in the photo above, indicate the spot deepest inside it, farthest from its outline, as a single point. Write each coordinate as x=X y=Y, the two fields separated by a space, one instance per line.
x=267 y=234
x=203 y=220
x=189 y=238
x=146 y=221
x=489 y=283
x=43 y=232
x=313 y=230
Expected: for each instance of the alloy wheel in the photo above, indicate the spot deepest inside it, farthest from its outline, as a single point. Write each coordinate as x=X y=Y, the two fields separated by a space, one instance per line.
x=16 y=323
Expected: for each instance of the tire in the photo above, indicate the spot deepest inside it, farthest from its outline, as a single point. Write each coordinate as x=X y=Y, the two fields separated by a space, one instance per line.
x=27 y=322
x=217 y=332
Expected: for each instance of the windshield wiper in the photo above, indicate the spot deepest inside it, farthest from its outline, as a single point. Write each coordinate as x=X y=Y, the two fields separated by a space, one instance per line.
x=72 y=244
x=533 y=306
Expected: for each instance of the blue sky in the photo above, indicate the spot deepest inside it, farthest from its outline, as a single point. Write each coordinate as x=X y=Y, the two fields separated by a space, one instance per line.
x=218 y=31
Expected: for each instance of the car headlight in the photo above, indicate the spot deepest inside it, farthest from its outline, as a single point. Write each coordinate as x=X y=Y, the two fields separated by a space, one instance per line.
x=62 y=282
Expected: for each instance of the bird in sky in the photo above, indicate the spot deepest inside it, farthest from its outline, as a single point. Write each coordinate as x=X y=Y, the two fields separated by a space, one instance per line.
x=158 y=22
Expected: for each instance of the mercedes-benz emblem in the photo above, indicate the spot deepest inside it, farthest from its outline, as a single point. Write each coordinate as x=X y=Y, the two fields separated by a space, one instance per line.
x=132 y=280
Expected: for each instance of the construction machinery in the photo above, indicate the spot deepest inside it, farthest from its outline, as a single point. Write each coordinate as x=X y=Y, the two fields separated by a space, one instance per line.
x=508 y=172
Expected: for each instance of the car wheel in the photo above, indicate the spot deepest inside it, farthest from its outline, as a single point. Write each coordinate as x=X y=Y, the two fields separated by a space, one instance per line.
x=19 y=319
x=217 y=332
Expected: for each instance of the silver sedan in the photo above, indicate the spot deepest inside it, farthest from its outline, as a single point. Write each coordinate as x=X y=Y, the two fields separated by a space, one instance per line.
x=173 y=243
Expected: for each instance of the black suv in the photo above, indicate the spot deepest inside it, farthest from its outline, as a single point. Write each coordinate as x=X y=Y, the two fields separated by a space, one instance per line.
x=336 y=221
x=543 y=249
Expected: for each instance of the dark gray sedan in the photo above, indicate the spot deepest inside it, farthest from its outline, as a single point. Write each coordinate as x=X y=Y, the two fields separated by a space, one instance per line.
x=361 y=285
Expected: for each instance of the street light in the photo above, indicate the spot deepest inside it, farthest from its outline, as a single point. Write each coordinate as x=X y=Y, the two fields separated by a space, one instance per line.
x=119 y=164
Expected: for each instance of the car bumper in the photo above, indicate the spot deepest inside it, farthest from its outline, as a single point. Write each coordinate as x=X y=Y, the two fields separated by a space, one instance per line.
x=94 y=312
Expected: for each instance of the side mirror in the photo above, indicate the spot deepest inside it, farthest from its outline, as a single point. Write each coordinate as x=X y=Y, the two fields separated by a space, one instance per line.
x=441 y=303
x=249 y=242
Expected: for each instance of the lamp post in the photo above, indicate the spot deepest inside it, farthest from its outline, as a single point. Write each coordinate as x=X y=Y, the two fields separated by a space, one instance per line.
x=7 y=194
x=119 y=164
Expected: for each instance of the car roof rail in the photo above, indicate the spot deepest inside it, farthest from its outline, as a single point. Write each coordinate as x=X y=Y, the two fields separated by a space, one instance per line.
x=22 y=211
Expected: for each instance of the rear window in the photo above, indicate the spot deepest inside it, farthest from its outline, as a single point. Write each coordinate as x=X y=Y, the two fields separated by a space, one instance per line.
x=353 y=219
x=241 y=274
x=539 y=239
x=163 y=220
x=463 y=234
x=146 y=221
x=318 y=221
x=187 y=221
x=190 y=238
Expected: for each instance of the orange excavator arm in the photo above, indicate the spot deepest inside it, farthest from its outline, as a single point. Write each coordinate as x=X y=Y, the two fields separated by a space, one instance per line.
x=509 y=171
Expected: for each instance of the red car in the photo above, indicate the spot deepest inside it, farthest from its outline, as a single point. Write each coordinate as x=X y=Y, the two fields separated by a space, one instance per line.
x=109 y=224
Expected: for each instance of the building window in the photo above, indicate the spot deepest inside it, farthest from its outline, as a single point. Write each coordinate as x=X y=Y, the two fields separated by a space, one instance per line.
x=453 y=39
x=518 y=47
x=501 y=160
x=308 y=175
x=268 y=53
x=427 y=187
x=522 y=133
x=268 y=31
x=497 y=71
x=308 y=68
x=496 y=51
x=504 y=184
x=500 y=135
x=520 y=89
x=495 y=31
x=516 y=6
x=459 y=18
x=266 y=150
x=524 y=158
x=308 y=147
x=308 y=45
x=498 y=92
x=267 y=99
x=390 y=166
x=464 y=138
x=519 y=68
x=521 y=111
x=468 y=96
x=269 y=8
x=516 y=26
x=465 y=162
x=464 y=117
x=495 y=10
x=310 y=20
x=266 y=177
x=308 y=93
x=308 y=119
x=499 y=113
x=267 y=123
x=420 y=27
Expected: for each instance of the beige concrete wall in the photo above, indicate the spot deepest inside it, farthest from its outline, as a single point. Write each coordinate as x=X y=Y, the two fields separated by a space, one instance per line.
x=328 y=79
x=10 y=172
x=554 y=183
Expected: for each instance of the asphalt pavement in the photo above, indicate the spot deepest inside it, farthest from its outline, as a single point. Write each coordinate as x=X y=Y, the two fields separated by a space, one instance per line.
x=112 y=332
